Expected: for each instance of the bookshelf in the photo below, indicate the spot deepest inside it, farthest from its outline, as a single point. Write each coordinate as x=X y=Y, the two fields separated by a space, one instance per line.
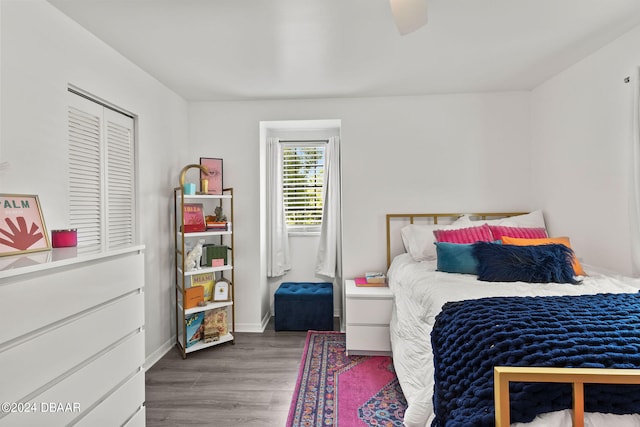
x=208 y=320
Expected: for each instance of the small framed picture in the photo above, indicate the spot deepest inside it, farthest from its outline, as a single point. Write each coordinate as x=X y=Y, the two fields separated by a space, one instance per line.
x=22 y=227
x=214 y=178
x=221 y=290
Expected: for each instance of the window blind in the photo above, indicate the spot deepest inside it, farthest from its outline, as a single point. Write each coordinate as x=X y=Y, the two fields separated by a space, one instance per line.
x=303 y=184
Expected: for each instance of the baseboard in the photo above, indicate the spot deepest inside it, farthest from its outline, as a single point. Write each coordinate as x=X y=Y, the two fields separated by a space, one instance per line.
x=250 y=327
x=153 y=358
x=265 y=321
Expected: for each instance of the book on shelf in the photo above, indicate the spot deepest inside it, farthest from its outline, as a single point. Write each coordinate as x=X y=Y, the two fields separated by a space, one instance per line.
x=217 y=226
x=195 y=328
x=193 y=218
x=362 y=282
x=204 y=281
x=215 y=321
x=374 y=277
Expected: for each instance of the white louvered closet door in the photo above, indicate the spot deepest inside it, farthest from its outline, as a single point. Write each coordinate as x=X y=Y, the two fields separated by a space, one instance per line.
x=101 y=174
x=120 y=179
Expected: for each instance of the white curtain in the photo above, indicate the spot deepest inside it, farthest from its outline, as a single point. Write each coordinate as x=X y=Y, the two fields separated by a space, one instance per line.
x=635 y=174
x=327 y=263
x=278 y=258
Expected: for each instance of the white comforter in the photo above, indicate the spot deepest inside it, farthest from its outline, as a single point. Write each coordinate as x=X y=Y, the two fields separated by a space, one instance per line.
x=419 y=294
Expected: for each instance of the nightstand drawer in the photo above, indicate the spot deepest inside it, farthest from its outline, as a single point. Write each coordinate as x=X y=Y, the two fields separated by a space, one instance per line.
x=374 y=311
x=368 y=338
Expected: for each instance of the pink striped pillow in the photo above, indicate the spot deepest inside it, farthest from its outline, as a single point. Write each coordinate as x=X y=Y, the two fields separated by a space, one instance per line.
x=499 y=231
x=481 y=233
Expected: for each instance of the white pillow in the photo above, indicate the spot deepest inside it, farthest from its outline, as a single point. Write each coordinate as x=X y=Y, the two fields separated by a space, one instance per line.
x=419 y=240
x=533 y=219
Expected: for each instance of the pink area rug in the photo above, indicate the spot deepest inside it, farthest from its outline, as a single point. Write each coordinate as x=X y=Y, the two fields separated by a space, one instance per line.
x=334 y=389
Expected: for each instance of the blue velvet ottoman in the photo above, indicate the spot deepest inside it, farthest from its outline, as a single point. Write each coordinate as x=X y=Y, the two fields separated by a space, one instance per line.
x=301 y=306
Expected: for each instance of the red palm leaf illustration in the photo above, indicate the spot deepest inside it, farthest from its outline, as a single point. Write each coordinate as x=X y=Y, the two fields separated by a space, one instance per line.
x=18 y=236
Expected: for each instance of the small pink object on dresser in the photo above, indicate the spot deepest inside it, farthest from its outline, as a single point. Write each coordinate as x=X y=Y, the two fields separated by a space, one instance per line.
x=64 y=238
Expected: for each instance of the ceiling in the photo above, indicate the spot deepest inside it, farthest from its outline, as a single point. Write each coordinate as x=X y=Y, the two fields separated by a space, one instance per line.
x=209 y=50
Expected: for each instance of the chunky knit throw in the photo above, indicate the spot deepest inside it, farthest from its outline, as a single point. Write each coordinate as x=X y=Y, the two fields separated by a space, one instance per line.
x=591 y=331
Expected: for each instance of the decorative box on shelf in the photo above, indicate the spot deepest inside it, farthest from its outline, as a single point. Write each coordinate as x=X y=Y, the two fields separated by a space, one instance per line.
x=212 y=253
x=193 y=296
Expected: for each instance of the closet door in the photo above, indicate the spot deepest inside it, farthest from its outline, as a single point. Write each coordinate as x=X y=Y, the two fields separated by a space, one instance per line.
x=101 y=174
x=120 y=179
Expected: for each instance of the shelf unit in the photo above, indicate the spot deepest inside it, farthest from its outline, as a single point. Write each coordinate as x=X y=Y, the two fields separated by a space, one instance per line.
x=184 y=242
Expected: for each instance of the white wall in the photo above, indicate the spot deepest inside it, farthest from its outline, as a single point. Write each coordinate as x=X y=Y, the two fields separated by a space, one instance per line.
x=42 y=52
x=582 y=131
x=401 y=154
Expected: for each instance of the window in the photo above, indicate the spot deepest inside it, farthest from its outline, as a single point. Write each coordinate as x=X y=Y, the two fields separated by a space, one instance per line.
x=303 y=184
x=101 y=174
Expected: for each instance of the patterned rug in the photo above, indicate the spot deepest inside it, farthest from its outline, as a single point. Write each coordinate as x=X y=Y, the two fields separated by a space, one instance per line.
x=334 y=389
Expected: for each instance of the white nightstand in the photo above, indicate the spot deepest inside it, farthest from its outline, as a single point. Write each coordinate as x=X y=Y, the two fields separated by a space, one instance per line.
x=368 y=312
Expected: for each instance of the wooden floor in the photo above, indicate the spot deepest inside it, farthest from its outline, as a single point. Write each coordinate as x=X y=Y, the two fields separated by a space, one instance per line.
x=249 y=383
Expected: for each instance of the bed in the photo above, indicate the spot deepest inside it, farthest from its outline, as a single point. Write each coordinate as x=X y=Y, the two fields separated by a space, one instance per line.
x=436 y=299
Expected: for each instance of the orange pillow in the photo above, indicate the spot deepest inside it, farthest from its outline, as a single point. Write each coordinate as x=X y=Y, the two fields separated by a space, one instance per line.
x=577 y=268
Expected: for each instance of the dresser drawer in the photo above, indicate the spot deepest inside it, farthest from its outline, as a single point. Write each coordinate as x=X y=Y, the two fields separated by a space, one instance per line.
x=368 y=338
x=376 y=311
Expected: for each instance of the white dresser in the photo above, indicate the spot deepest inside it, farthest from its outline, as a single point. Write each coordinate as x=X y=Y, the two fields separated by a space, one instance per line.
x=72 y=338
x=368 y=312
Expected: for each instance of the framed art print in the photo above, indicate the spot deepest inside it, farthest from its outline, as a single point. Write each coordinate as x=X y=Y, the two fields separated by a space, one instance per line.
x=22 y=227
x=221 y=290
x=214 y=178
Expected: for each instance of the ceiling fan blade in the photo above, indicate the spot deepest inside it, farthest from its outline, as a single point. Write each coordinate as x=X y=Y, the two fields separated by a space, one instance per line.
x=409 y=15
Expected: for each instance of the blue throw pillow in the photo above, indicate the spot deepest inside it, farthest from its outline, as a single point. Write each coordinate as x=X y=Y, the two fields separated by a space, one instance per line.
x=456 y=258
x=532 y=264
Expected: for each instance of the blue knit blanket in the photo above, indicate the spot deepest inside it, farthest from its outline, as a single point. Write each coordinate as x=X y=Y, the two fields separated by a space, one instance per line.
x=470 y=337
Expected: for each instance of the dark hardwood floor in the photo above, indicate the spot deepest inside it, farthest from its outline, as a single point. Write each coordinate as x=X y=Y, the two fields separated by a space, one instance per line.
x=246 y=384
